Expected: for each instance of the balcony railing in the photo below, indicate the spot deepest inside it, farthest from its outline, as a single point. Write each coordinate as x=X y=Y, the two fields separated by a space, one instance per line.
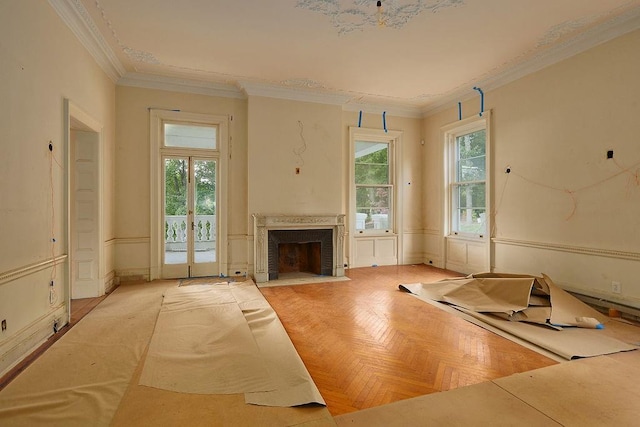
x=175 y=227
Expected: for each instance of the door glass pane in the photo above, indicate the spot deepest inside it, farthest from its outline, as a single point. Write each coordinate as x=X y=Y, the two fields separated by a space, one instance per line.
x=176 y=173
x=190 y=136
x=205 y=210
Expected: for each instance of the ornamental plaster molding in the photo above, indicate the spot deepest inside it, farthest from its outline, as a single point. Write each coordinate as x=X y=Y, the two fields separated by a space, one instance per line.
x=539 y=58
x=74 y=14
x=356 y=15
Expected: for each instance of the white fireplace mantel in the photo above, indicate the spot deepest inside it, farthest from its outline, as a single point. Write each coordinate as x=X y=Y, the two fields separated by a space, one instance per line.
x=263 y=223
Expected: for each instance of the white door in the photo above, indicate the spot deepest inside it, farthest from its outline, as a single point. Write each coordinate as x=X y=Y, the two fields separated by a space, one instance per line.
x=190 y=199
x=85 y=235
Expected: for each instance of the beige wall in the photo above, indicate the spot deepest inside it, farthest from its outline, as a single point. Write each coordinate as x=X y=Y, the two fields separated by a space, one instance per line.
x=133 y=172
x=277 y=130
x=265 y=135
x=42 y=64
x=554 y=128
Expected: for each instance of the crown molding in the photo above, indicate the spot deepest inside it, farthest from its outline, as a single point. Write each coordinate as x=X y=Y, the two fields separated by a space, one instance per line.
x=150 y=81
x=398 y=110
x=586 y=40
x=74 y=14
x=293 y=94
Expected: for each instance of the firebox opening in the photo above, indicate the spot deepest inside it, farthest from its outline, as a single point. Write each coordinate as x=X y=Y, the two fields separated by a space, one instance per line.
x=300 y=252
x=299 y=258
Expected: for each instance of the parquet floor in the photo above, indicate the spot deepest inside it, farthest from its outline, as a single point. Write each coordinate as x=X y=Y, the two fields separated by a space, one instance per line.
x=365 y=343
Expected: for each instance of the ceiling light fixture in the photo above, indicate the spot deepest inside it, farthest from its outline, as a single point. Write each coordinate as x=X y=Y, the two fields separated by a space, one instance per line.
x=381 y=21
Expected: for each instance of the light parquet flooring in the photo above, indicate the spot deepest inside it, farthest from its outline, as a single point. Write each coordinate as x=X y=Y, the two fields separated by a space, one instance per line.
x=365 y=343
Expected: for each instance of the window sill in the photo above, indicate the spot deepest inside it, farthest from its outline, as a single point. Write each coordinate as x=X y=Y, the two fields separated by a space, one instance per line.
x=374 y=233
x=467 y=238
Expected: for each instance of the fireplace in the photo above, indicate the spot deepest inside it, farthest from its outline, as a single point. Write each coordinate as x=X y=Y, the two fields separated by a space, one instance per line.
x=306 y=250
x=288 y=243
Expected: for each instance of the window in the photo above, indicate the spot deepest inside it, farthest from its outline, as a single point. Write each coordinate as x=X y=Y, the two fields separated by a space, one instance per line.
x=374 y=187
x=190 y=136
x=467 y=180
x=374 y=194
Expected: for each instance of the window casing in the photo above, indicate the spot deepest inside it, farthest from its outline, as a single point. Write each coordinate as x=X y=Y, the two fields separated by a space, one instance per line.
x=373 y=181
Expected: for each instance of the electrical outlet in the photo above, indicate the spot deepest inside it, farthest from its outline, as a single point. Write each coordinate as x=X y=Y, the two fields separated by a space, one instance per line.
x=616 y=287
x=4 y=325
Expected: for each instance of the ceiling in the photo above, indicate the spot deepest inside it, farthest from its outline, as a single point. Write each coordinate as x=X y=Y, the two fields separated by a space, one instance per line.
x=416 y=55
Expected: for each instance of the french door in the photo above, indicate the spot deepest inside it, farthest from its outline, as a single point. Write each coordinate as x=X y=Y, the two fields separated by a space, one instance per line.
x=190 y=246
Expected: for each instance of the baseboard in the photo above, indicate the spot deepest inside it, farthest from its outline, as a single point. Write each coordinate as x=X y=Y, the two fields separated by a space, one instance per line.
x=21 y=344
x=239 y=269
x=110 y=282
x=433 y=260
x=132 y=274
x=413 y=259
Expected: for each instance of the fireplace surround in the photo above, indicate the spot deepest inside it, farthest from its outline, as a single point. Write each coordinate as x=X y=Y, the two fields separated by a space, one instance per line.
x=264 y=249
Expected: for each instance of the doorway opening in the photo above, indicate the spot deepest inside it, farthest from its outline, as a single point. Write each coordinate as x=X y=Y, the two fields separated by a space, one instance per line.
x=189 y=155
x=190 y=217
x=85 y=231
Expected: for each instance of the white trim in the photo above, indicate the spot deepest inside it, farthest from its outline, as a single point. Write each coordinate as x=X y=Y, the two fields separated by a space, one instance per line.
x=74 y=116
x=128 y=273
x=131 y=240
x=157 y=117
x=173 y=84
x=448 y=132
x=395 y=109
x=109 y=282
x=292 y=94
x=393 y=137
x=628 y=305
x=74 y=14
x=27 y=339
x=17 y=273
x=607 y=253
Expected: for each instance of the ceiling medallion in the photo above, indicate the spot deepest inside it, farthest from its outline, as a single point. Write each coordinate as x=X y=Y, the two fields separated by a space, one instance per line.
x=351 y=15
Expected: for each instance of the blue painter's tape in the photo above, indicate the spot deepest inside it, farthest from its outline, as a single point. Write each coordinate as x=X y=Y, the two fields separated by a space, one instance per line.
x=481 y=99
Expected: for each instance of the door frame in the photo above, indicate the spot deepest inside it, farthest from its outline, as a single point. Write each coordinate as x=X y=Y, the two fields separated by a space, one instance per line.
x=77 y=119
x=156 y=120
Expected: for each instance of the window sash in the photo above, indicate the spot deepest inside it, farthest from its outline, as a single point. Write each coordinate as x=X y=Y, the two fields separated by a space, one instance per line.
x=189 y=135
x=378 y=213
x=468 y=183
